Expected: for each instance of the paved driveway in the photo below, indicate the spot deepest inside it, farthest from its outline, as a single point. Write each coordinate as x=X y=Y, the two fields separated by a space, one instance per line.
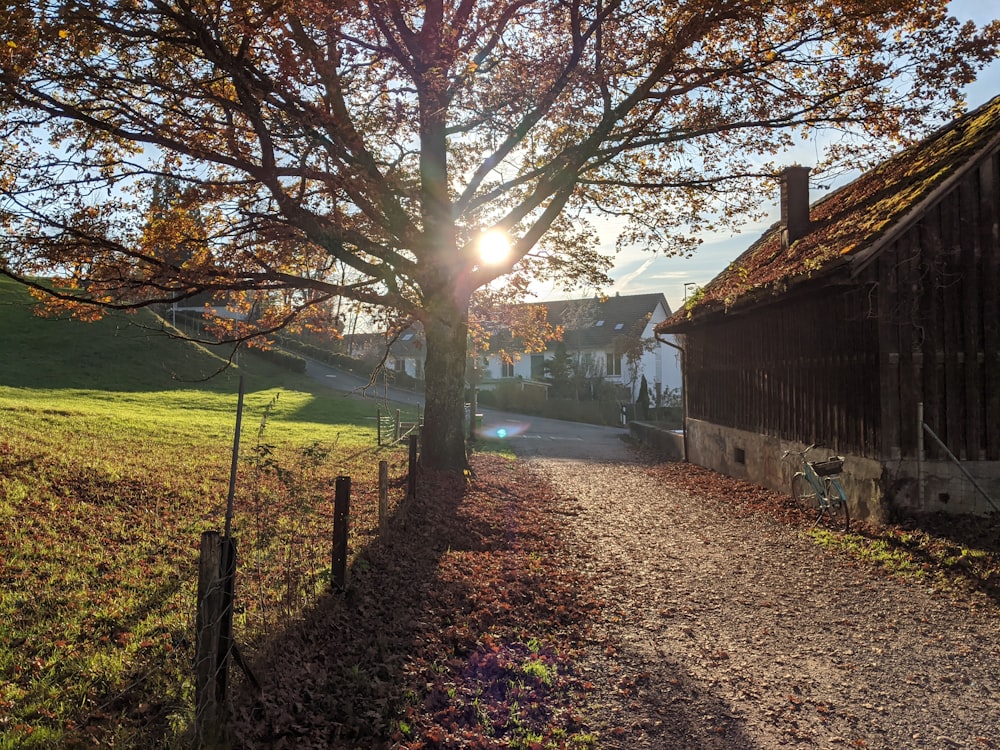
x=528 y=436
x=554 y=438
x=349 y=382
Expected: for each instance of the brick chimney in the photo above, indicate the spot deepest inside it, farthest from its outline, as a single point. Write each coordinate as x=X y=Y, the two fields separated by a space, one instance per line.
x=794 y=204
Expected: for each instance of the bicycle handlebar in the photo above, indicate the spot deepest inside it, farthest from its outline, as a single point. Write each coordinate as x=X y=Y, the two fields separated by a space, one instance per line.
x=801 y=453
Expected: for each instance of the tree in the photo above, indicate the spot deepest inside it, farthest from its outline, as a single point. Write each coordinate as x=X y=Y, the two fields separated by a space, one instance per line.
x=560 y=369
x=642 y=400
x=633 y=346
x=387 y=135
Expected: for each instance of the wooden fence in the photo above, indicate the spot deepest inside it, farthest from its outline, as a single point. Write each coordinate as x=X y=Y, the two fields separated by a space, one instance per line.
x=392 y=429
x=215 y=646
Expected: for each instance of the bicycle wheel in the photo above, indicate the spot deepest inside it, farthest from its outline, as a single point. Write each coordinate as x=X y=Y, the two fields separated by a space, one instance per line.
x=836 y=513
x=805 y=495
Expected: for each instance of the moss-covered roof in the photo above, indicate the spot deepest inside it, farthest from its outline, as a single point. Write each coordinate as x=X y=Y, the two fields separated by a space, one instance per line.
x=849 y=223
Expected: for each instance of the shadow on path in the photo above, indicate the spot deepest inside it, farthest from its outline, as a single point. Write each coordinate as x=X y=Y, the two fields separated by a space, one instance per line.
x=463 y=628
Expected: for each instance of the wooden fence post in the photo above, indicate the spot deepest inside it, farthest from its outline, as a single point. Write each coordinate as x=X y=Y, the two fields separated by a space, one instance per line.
x=341 y=511
x=411 y=492
x=213 y=636
x=383 y=495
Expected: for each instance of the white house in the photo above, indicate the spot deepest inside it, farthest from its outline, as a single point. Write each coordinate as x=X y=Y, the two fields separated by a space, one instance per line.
x=408 y=352
x=596 y=334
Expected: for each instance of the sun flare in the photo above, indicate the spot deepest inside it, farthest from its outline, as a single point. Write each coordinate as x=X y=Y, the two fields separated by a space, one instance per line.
x=494 y=247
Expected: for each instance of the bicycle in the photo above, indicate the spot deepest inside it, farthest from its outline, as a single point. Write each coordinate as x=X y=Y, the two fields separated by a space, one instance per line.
x=816 y=488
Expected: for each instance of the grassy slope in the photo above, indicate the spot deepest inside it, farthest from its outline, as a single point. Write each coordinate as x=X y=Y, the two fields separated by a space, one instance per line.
x=114 y=457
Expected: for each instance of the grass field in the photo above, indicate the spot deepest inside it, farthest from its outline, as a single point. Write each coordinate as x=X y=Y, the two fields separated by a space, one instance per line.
x=114 y=458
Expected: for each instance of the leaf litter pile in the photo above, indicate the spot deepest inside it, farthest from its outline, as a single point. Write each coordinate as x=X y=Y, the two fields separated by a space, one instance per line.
x=572 y=605
x=458 y=629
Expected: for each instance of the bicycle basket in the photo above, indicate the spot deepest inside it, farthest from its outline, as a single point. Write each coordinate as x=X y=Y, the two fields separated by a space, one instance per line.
x=832 y=465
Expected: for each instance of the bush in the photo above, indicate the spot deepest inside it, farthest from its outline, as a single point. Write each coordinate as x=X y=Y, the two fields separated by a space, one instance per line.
x=592 y=412
x=511 y=395
x=281 y=358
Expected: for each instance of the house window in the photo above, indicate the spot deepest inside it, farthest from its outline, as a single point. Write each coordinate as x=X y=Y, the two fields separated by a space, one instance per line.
x=537 y=366
x=619 y=326
x=400 y=365
x=613 y=364
x=407 y=336
x=506 y=369
x=598 y=324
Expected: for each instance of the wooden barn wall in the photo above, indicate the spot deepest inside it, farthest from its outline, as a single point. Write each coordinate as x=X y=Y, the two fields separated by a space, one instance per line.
x=806 y=369
x=939 y=293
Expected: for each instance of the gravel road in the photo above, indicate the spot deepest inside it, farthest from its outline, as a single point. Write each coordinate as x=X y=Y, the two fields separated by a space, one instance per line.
x=721 y=631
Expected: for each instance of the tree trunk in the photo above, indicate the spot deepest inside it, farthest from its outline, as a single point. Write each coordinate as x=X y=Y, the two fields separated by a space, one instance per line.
x=446 y=328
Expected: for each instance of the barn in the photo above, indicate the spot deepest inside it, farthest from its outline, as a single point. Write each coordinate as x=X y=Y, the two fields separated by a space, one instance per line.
x=867 y=322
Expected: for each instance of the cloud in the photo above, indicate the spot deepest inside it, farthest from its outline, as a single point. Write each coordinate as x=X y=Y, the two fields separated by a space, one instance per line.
x=622 y=282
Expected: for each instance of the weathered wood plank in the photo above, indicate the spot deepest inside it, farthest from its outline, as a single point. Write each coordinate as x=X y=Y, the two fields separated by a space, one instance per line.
x=209 y=614
x=950 y=285
x=341 y=516
x=972 y=295
x=989 y=240
x=910 y=359
x=930 y=324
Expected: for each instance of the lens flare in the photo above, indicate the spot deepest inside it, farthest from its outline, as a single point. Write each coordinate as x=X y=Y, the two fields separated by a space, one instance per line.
x=509 y=430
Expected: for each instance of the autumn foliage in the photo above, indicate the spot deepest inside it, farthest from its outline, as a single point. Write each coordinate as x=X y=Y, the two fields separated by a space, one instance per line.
x=318 y=150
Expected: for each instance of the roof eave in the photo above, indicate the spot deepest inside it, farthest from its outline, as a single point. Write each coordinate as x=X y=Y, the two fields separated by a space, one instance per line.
x=861 y=259
x=753 y=300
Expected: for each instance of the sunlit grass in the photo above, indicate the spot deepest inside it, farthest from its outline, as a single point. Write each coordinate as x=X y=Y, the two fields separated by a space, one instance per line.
x=493 y=445
x=918 y=556
x=103 y=501
x=873 y=551
x=110 y=470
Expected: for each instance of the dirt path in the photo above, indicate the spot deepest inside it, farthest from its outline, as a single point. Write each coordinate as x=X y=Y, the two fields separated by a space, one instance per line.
x=738 y=632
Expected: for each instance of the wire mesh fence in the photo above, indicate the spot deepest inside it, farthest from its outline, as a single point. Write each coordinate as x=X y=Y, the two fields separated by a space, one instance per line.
x=300 y=522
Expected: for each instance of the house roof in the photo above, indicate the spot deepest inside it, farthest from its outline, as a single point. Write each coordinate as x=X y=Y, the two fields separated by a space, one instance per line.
x=589 y=323
x=411 y=342
x=851 y=225
x=595 y=323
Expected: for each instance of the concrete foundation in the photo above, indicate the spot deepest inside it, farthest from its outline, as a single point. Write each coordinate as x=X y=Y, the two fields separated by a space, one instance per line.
x=668 y=444
x=876 y=491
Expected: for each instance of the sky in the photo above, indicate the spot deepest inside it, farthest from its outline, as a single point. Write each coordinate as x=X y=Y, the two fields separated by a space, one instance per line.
x=642 y=272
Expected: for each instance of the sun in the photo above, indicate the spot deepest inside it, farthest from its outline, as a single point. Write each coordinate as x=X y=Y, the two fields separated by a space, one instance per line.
x=494 y=247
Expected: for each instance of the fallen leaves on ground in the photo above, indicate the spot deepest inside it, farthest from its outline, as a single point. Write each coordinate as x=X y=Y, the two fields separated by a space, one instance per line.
x=956 y=551
x=463 y=625
x=458 y=630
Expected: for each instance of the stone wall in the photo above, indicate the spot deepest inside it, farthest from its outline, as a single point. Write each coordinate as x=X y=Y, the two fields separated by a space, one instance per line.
x=877 y=492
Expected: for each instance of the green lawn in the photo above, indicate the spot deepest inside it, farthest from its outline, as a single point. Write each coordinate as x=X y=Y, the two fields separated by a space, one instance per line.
x=114 y=457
